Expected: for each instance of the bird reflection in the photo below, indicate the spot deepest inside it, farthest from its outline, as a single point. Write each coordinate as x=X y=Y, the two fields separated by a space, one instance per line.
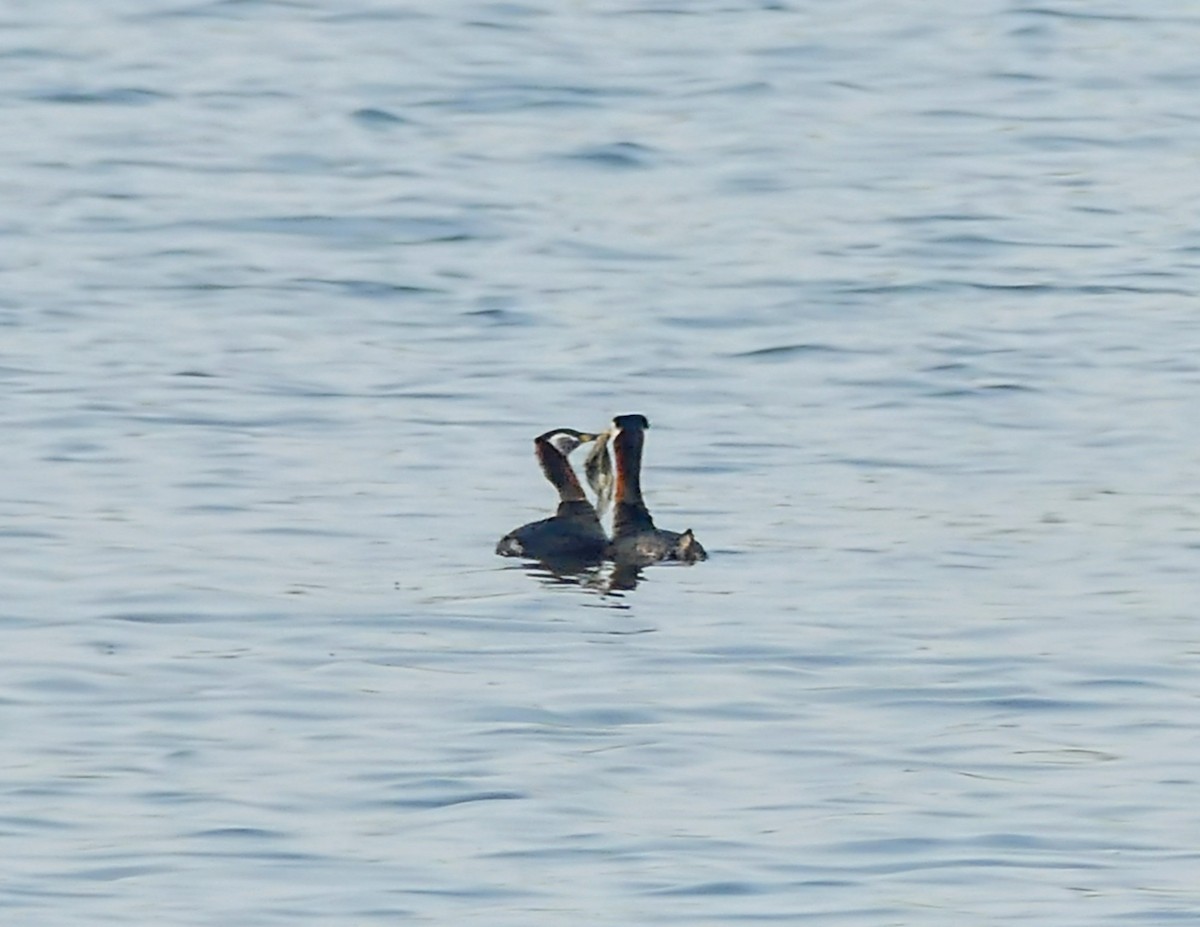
x=603 y=578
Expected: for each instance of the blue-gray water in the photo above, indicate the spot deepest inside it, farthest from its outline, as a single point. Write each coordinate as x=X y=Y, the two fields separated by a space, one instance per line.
x=909 y=294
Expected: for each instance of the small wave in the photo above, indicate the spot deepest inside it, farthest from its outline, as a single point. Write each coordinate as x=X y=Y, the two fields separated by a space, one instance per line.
x=120 y=96
x=461 y=799
x=784 y=351
x=621 y=155
x=378 y=118
x=369 y=289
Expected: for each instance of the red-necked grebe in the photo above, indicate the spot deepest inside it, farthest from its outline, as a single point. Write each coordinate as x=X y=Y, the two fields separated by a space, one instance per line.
x=635 y=539
x=573 y=532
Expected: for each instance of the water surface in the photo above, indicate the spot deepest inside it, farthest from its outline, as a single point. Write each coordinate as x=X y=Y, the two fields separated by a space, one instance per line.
x=908 y=297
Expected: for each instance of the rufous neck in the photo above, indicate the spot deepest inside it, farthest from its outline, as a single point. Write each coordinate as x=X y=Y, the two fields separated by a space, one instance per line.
x=627 y=454
x=558 y=471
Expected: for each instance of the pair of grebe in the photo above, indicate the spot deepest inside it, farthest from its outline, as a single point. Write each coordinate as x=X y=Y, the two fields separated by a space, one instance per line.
x=574 y=531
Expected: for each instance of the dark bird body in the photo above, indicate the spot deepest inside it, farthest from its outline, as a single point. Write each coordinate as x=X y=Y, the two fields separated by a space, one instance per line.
x=573 y=532
x=636 y=541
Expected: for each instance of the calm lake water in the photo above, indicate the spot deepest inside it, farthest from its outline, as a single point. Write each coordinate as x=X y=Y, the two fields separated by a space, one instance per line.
x=908 y=293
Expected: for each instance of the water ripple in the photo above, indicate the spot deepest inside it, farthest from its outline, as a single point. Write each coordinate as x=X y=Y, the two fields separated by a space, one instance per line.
x=289 y=289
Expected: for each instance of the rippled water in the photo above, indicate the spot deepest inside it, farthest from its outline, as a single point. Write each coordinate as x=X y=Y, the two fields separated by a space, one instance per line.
x=908 y=295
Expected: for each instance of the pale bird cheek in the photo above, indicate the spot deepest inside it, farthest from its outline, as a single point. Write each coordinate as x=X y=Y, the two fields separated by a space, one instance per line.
x=564 y=444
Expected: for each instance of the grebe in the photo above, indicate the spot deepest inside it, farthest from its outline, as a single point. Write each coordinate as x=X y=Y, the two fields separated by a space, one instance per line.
x=573 y=532
x=599 y=472
x=635 y=539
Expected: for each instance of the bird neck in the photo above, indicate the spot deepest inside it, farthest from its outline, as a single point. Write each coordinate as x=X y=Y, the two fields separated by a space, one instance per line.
x=627 y=454
x=559 y=472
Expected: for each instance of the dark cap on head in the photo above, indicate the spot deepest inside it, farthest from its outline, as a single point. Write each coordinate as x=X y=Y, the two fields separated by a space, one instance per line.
x=631 y=422
x=582 y=437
